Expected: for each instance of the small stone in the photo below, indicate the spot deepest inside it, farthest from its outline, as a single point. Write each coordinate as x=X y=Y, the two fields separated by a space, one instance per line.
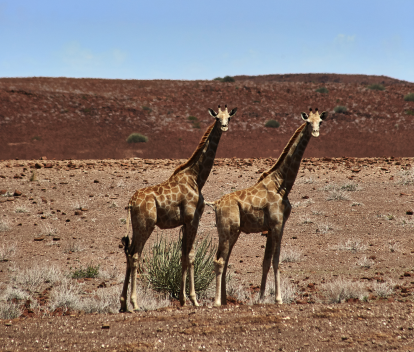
x=105 y=326
x=305 y=197
x=38 y=166
x=48 y=165
x=95 y=181
x=56 y=238
x=3 y=200
x=43 y=158
x=40 y=238
x=344 y=338
x=78 y=212
x=3 y=191
x=407 y=274
x=43 y=217
x=409 y=212
x=8 y=324
x=67 y=220
x=17 y=193
x=84 y=209
x=10 y=199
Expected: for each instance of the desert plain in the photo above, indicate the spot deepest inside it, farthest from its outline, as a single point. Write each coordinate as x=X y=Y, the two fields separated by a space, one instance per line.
x=67 y=174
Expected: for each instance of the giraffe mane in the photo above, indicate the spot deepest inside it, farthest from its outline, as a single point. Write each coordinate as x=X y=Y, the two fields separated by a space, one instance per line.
x=283 y=155
x=197 y=152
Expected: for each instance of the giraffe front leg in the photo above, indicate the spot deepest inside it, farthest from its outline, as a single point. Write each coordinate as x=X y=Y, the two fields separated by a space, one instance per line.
x=219 y=265
x=276 y=256
x=124 y=293
x=134 y=267
x=267 y=259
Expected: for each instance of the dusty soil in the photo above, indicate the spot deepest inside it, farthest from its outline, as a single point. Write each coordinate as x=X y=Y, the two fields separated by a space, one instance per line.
x=378 y=213
x=66 y=118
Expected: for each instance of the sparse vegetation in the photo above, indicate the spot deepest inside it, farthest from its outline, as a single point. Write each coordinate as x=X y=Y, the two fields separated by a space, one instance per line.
x=146 y=108
x=192 y=118
x=272 y=124
x=7 y=252
x=365 y=262
x=163 y=266
x=383 y=289
x=322 y=90
x=33 y=176
x=340 y=109
x=136 y=138
x=48 y=230
x=4 y=225
x=36 y=276
x=91 y=271
x=10 y=310
x=337 y=195
x=21 y=209
x=376 y=86
x=409 y=112
x=341 y=290
x=409 y=97
x=352 y=245
x=72 y=247
x=324 y=228
x=37 y=138
x=224 y=79
x=290 y=255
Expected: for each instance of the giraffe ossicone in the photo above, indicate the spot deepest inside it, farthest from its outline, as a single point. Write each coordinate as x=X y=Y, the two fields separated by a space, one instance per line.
x=262 y=207
x=175 y=202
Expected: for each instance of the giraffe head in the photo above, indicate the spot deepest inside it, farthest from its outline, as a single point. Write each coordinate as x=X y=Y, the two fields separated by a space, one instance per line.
x=223 y=116
x=314 y=120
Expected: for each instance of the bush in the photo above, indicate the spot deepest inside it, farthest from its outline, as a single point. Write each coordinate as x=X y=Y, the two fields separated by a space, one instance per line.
x=340 y=109
x=224 y=79
x=322 y=90
x=163 y=267
x=90 y=272
x=192 y=118
x=272 y=124
x=409 y=97
x=376 y=87
x=136 y=138
x=228 y=79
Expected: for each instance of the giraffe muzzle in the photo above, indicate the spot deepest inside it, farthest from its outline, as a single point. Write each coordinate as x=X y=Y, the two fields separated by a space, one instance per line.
x=224 y=128
x=315 y=133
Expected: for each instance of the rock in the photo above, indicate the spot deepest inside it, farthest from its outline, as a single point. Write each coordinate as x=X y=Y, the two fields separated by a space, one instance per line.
x=105 y=326
x=407 y=274
x=95 y=181
x=48 y=165
x=17 y=193
x=38 y=166
x=3 y=200
x=3 y=191
x=409 y=212
x=10 y=199
x=56 y=238
x=84 y=209
x=78 y=212
x=40 y=238
x=43 y=158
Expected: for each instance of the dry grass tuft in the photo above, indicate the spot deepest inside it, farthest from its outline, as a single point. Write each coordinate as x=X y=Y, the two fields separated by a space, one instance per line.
x=7 y=252
x=35 y=277
x=340 y=290
x=9 y=310
x=383 y=289
x=365 y=262
x=290 y=255
x=4 y=225
x=352 y=245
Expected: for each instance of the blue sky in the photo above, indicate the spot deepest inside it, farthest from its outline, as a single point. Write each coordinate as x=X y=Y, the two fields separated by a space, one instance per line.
x=159 y=39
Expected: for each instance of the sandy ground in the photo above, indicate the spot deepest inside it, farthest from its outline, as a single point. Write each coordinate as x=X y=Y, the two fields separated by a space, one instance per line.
x=366 y=201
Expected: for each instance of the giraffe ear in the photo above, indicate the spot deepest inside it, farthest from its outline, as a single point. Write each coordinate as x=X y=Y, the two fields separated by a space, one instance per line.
x=304 y=116
x=324 y=115
x=233 y=112
x=212 y=112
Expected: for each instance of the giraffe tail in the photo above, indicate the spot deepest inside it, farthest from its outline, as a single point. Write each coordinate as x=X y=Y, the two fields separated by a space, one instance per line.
x=125 y=239
x=211 y=204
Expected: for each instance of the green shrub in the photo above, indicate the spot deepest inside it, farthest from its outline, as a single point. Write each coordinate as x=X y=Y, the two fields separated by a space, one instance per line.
x=90 y=272
x=340 y=109
x=224 y=79
x=192 y=118
x=146 y=108
x=136 y=138
x=163 y=267
x=376 y=87
x=409 y=97
x=409 y=112
x=228 y=79
x=272 y=124
x=196 y=124
x=322 y=90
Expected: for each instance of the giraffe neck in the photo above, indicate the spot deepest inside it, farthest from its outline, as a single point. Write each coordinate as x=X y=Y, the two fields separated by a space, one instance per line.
x=285 y=170
x=201 y=168
x=198 y=167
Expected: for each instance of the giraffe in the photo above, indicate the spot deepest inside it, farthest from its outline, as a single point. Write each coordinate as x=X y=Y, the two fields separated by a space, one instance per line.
x=263 y=207
x=175 y=202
